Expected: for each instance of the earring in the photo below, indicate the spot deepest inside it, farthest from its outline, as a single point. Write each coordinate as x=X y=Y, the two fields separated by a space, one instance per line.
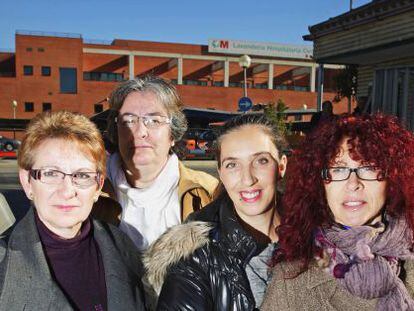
x=31 y=196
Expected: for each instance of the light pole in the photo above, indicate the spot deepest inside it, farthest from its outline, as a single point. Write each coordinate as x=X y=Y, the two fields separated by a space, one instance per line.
x=245 y=62
x=14 y=105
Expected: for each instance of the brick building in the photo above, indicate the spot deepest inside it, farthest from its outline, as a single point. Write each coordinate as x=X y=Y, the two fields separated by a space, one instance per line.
x=64 y=71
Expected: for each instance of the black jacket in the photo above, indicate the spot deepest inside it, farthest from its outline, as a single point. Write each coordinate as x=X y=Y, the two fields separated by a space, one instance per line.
x=213 y=276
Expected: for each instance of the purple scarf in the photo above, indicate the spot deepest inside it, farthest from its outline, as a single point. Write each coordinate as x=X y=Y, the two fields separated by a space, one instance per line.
x=365 y=260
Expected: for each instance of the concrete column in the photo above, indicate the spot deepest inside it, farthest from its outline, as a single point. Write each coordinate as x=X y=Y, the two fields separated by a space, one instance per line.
x=320 y=88
x=313 y=78
x=226 y=73
x=180 y=71
x=270 y=72
x=131 y=66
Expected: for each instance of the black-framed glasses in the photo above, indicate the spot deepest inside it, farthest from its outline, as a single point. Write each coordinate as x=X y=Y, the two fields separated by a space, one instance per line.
x=150 y=121
x=56 y=177
x=340 y=173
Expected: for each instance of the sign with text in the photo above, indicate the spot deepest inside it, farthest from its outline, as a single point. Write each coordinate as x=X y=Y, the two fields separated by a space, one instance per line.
x=260 y=48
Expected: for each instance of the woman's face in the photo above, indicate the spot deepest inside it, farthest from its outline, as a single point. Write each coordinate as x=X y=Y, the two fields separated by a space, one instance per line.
x=249 y=170
x=354 y=202
x=62 y=207
x=141 y=146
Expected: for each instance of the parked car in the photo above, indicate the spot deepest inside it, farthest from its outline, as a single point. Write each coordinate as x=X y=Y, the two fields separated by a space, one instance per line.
x=199 y=149
x=8 y=144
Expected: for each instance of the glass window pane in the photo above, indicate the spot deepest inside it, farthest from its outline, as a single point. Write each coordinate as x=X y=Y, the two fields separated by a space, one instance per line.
x=28 y=107
x=46 y=71
x=68 y=80
x=28 y=70
x=46 y=106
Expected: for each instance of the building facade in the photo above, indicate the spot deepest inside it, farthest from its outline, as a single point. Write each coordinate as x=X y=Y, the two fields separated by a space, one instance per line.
x=54 y=71
x=377 y=38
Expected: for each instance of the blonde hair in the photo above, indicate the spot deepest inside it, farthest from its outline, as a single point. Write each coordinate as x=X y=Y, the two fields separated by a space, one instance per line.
x=67 y=126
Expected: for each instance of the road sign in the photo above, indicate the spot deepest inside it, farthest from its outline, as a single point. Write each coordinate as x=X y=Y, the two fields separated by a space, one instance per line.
x=245 y=104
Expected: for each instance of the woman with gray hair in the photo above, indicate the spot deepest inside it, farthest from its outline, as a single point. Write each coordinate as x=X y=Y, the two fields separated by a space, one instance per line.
x=154 y=189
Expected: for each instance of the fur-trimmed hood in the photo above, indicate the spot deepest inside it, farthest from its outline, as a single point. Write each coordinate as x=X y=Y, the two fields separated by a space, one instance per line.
x=176 y=243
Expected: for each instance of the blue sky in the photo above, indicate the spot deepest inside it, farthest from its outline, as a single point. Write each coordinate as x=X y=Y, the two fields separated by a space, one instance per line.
x=183 y=21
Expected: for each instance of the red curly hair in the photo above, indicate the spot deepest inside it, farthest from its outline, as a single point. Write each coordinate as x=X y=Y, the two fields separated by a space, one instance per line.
x=373 y=139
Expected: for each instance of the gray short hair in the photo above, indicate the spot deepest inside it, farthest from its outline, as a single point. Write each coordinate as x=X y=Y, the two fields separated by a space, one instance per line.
x=167 y=95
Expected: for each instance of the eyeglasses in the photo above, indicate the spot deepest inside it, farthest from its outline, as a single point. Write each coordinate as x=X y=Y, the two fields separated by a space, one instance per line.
x=343 y=173
x=150 y=122
x=56 y=177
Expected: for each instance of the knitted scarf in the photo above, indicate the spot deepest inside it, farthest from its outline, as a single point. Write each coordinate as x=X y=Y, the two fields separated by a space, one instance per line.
x=365 y=260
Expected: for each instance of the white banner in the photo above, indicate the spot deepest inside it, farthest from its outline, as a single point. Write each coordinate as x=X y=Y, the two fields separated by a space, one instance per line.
x=260 y=48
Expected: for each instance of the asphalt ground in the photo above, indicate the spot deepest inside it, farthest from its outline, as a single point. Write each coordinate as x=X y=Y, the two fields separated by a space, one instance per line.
x=11 y=189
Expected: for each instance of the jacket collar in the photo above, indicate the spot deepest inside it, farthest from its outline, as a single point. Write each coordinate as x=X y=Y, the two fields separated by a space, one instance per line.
x=26 y=256
x=25 y=241
x=236 y=239
x=186 y=183
x=318 y=277
x=116 y=274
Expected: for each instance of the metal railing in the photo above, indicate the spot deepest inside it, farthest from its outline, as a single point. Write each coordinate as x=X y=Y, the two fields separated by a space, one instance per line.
x=49 y=34
x=97 y=41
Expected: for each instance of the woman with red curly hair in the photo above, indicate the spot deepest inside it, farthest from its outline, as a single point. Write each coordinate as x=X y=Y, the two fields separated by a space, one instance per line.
x=346 y=234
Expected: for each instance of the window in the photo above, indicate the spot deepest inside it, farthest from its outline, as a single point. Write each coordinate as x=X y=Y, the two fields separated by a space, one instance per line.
x=46 y=107
x=280 y=87
x=393 y=93
x=46 y=71
x=98 y=108
x=28 y=107
x=103 y=76
x=260 y=85
x=68 y=80
x=29 y=49
x=28 y=70
x=40 y=49
x=298 y=117
x=195 y=82
x=237 y=84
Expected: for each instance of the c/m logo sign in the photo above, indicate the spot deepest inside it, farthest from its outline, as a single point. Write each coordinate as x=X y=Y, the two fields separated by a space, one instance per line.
x=222 y=44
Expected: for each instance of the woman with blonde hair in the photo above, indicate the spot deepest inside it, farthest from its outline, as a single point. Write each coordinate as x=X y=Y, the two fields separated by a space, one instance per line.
x=57 y=257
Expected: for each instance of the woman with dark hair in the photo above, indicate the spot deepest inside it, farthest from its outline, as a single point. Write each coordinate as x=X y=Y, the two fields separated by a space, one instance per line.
x=346 y=235
x=218 y=261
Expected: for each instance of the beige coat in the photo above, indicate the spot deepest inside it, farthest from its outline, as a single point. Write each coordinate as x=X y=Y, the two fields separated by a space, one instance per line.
x=314 y=289
x=195 y=190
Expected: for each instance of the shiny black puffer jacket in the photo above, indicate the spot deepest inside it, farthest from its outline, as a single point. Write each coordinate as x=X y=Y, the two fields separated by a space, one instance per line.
x=213 y=277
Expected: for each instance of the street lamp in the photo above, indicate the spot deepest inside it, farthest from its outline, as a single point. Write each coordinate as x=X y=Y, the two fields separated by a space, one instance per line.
x=244 y=62
x=14 y=105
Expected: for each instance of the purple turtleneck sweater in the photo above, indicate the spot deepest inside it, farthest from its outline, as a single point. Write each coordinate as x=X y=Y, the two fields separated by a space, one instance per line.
x=76 y=265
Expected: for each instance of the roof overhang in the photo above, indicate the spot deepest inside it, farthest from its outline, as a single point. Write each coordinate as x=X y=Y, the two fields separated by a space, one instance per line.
x=373 y=55
x=368 y=13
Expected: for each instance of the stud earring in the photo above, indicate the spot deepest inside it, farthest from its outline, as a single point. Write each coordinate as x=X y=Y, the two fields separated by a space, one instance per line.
x=31 y=196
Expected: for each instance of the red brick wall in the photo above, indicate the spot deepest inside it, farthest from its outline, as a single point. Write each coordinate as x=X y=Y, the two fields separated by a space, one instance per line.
x=67 y=52
x=57 y=52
